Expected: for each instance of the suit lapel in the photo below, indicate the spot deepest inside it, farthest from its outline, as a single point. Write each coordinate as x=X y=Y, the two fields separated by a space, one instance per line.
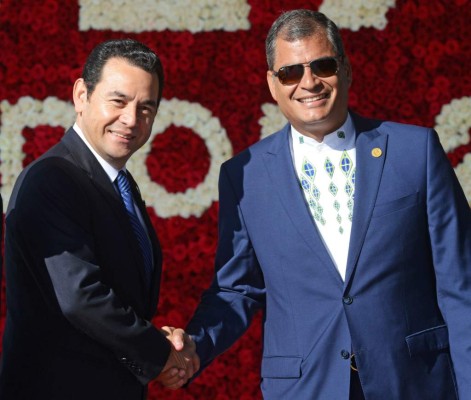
x=279 y=164
x=85 y=159
x=369 y=168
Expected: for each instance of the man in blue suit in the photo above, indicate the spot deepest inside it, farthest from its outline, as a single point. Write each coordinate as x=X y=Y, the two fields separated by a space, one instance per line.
x=352 y=235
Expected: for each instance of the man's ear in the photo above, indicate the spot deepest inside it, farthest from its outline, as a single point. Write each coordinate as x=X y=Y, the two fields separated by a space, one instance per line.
x=80 y=95
x=271 y=84
x=348 y=70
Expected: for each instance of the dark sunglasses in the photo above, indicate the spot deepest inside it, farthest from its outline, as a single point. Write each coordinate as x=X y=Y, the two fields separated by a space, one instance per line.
x=322 y=67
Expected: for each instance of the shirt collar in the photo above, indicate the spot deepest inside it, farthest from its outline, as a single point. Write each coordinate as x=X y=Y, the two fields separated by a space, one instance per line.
x=111 y=171
x=340 y=139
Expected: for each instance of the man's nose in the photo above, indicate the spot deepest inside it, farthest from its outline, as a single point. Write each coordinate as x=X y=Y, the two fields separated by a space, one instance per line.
x=129 y=116
x=309 y=80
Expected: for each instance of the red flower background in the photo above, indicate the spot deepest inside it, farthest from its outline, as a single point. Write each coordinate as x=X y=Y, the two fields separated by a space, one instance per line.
x=406 y=72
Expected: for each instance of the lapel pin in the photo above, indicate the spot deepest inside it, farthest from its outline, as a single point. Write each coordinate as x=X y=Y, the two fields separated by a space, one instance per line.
x=341 y=134
x=376 y=152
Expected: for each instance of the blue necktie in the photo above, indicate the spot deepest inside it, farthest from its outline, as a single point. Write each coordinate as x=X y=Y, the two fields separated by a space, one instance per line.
x=126 y=194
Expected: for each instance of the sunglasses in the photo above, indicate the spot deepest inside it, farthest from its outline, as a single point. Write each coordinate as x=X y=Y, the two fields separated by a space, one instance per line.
x=322 y=68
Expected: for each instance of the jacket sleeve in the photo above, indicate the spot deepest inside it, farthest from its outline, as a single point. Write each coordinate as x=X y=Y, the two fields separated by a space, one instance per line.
x=449 y=219
x=237 y=291
x=51 y=226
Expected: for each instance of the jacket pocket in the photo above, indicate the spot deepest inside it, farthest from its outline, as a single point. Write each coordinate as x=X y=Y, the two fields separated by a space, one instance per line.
x=395 y=205
x=431 y=339
x=281 y=367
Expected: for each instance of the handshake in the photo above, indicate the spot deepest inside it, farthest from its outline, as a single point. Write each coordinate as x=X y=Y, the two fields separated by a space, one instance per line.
x=182 y=363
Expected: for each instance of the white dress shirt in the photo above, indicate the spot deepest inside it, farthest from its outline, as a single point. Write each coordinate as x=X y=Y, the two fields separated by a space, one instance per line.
x=326 y=172
x=112 y=173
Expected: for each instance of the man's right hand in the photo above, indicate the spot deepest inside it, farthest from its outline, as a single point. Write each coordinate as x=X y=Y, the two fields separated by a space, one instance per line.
x=182 y=363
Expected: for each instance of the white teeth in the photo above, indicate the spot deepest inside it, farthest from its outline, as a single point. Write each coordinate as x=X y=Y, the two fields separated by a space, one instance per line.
x=314 y=98
x=122 y=136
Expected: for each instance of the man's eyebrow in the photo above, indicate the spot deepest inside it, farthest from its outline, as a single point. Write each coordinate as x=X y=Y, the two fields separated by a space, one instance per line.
x=151 y=103
x=121 y=95
x=117 y=94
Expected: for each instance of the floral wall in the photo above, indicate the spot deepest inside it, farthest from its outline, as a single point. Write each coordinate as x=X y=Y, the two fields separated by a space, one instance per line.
x=410 y=59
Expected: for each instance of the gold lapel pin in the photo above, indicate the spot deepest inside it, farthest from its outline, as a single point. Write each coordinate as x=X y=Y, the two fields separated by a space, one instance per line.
x=376 y=152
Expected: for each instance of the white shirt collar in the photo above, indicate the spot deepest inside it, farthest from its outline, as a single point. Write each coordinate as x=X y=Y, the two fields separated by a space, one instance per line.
x=341 y=139
x=111 y=171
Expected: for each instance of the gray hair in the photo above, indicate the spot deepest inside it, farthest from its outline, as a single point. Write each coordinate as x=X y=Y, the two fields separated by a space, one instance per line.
x=299 y=24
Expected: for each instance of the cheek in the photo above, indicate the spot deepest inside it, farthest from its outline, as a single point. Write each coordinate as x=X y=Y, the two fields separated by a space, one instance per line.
x=107 y=113
x=145 y=129
x=286 y=93
x=145 y=123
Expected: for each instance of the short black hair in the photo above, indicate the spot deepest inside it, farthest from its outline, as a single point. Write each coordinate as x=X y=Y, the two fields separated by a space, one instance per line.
x=133 y=51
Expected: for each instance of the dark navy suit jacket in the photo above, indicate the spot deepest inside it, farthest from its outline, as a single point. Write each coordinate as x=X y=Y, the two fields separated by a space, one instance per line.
x=78 y=310
x=405 y=306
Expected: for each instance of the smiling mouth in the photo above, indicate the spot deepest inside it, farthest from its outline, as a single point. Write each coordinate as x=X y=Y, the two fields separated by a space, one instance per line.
x=127 y=137
x=314 y=98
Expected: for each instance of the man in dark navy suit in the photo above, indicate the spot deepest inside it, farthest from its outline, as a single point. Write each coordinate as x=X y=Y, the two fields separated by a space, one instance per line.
x=83 y=262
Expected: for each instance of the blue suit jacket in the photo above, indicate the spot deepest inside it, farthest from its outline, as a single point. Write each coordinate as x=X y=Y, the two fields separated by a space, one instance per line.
x=405 y=306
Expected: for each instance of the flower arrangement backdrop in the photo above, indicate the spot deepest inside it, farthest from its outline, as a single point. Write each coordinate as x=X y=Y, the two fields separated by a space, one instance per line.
x=410 y=59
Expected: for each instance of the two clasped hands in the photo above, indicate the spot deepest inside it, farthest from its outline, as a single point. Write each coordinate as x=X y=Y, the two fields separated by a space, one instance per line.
x=182 y=363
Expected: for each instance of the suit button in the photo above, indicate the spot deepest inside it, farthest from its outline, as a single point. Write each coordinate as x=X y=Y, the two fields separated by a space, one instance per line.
x=347 y=300
x=345 y=354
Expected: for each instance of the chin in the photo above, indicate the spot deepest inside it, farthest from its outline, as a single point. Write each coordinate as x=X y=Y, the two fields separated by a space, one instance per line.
x=316 y=121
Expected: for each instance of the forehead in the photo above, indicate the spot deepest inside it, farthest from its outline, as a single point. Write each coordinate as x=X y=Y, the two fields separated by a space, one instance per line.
x=302 y=50
x=120 y=69
x=118 y=73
